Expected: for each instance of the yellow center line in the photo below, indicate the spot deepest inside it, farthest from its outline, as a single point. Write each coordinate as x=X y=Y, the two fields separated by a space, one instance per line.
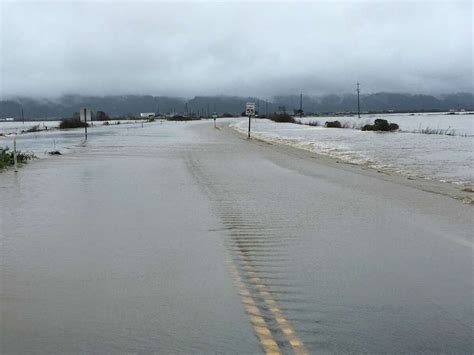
x=284 y=324
x=267 y=342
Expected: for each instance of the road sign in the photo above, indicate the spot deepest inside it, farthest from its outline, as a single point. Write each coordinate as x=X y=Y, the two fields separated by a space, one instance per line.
x=85 y=114
x=250 y=109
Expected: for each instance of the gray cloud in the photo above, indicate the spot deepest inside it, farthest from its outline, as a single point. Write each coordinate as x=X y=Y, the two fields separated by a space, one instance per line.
x=242 y=48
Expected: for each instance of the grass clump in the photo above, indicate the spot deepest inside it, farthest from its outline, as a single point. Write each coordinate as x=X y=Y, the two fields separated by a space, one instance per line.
x=72 y=123
x=381 y=126
x=6 y=158
x=441 y=131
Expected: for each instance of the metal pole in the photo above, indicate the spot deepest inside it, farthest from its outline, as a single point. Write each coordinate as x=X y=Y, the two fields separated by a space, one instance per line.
x=301 y=105
x=15 y=163
x=358 y=100
x=85 y=125
x=250 y=119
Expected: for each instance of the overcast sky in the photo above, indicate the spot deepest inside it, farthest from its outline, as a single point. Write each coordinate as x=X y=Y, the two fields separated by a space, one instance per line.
x=242 y=48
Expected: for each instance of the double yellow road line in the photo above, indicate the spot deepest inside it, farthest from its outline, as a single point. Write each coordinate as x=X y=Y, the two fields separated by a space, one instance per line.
x=267 y=341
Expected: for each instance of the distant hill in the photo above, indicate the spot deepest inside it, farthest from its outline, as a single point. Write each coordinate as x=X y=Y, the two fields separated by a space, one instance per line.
x=132 y=105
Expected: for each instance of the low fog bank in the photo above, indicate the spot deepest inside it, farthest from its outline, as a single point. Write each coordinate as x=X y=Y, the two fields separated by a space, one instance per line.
x=132 y=105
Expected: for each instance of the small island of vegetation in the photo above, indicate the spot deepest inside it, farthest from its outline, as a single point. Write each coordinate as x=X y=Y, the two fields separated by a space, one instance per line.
x=73 y=122
x=7 y=158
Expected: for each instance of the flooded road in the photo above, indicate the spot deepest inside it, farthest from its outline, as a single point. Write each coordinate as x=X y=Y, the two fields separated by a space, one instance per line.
x=180 y=238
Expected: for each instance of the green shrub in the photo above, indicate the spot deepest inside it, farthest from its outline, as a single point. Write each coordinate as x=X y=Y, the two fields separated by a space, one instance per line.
x=72 y=123
x=380 y=125
x=6 y=157
x=281 y=117
x=333 y=124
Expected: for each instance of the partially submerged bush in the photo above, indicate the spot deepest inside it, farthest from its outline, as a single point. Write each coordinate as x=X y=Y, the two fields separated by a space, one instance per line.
x=380 y=125
x=54 y=152
x=333 y=124
x=281 y=117
x=182 y=118
x=72 y=123
x=35 y=128
x=6 y=157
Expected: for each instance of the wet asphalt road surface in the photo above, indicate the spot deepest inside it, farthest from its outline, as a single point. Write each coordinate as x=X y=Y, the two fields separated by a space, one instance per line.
x=181 y=238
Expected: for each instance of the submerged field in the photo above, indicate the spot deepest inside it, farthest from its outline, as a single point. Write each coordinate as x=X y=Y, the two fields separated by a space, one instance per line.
x=431 y=146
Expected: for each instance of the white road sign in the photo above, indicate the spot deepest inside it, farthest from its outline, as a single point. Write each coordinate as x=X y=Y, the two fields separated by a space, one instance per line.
x=250 y=109
x=85 y=114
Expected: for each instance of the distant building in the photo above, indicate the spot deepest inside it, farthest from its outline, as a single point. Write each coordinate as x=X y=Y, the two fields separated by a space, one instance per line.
x=147 y=115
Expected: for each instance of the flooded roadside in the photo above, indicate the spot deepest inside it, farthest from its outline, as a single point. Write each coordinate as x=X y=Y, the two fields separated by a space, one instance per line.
x=183 y=238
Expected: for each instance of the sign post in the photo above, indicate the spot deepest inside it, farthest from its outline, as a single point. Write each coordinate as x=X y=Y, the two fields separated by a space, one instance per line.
x=85 y=115
x=214 y=116
x=250 y=111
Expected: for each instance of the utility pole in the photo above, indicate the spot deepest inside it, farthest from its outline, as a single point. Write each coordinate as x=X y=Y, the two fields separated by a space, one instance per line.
x=15 y=163
x=22 y=116
x=85 y=123
x=301 y=105
x=358 y=99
